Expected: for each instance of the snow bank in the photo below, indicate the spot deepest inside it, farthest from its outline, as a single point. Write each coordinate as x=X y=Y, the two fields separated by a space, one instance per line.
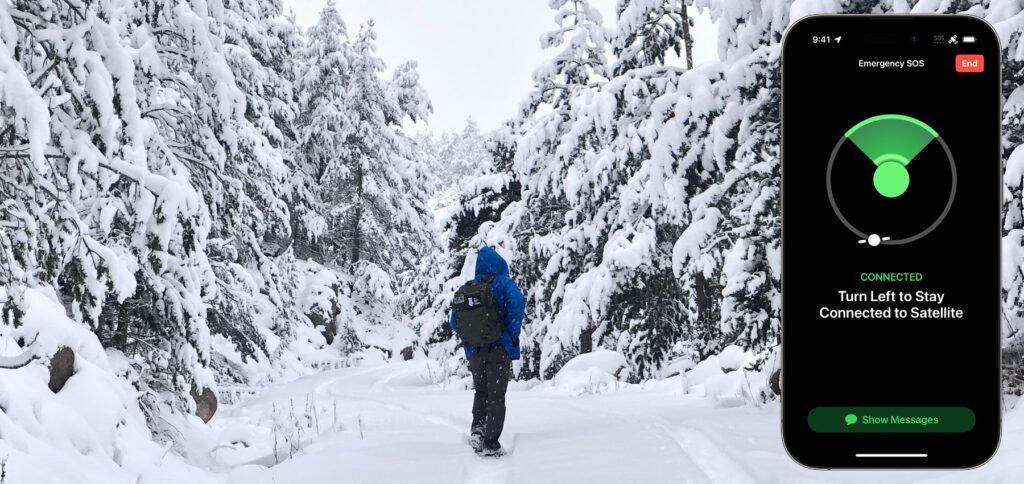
x=706 y=369
x=607 y=361
x=595 y=372
x=729 y=390
x=92 y=431
x=733 y=358
x=725 y=380
x=677 y=367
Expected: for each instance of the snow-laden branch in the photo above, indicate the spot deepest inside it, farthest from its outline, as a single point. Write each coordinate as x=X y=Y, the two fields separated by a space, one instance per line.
x=21 y=359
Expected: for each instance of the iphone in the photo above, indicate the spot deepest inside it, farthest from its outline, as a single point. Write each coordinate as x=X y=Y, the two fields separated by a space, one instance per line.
x=891 y=212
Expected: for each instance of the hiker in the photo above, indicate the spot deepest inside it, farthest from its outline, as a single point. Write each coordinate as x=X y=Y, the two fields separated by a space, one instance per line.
x=487 y=313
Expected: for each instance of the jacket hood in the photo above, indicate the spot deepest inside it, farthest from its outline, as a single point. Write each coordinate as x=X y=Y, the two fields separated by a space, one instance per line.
x=489 y=262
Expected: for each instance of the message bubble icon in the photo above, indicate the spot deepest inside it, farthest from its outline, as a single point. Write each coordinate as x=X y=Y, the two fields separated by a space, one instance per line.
x=851 y=419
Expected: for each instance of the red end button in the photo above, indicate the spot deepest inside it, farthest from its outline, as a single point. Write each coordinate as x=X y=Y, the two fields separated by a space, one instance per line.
x=970 y=63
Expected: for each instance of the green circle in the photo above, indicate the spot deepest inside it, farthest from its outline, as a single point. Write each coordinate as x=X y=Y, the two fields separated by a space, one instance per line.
x=891 y=179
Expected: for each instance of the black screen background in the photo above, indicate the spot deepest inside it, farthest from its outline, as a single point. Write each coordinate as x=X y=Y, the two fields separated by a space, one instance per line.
x=934 y=362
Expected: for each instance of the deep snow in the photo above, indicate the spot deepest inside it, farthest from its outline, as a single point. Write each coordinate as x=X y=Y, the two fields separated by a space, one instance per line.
x=406 y=422
x=394 y=425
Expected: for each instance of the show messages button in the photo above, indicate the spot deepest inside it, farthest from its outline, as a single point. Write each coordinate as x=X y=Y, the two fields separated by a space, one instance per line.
x=891 y=419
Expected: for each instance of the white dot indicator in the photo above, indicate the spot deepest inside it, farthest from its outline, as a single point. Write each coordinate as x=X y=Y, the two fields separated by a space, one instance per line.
x=874 y=240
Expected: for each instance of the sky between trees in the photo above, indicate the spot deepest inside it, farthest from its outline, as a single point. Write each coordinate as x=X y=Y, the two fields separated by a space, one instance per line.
x=475 y=56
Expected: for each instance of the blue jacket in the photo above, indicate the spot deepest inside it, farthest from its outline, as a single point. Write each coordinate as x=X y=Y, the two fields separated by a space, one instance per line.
x=506 y=294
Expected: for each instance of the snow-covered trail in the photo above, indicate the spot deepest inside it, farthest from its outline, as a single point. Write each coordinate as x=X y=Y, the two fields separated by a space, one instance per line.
x=392 y=424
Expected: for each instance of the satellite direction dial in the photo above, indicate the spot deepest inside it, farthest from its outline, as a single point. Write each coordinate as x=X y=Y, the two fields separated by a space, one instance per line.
x=891 y=179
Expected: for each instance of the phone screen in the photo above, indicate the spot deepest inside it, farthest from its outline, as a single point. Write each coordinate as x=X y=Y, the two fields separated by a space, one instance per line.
x=891 y=237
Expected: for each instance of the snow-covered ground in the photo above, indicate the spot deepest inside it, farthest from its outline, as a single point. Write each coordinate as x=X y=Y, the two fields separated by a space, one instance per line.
x=391 y=423
x=384 y=422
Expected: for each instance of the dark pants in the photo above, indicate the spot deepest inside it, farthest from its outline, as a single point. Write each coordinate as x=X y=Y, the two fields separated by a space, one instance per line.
x=491 y=368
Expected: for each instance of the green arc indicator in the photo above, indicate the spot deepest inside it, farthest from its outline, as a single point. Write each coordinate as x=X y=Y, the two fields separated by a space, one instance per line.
x=891 y=141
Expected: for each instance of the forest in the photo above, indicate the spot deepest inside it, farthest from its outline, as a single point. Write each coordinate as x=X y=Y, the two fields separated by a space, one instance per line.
x=218 y=199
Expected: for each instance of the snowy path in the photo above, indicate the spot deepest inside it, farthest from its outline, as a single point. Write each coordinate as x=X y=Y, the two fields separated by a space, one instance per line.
x=390 y=424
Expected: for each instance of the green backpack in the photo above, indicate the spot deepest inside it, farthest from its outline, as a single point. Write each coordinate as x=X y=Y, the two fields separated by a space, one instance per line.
x=476 y=313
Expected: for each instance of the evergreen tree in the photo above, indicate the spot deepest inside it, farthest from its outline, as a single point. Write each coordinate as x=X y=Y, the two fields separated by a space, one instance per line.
x=220 y=67
x=321 y=128
x=563 y=86
x=745 y=247
x=154 y=150
x=122 y=238
x=366 y=186
x=454 y=159
x=1004 y=15
x=374 y=217
x=488 y=193
x=647 y=30
x=454 y=155
x=607 y=269
x=388 y=227
x=259 y=50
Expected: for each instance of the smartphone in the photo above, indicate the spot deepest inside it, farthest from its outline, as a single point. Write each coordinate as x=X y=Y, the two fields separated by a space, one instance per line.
x=891 y=213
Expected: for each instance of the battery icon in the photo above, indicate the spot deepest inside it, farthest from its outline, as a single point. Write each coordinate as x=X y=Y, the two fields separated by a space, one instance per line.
x=968 y=39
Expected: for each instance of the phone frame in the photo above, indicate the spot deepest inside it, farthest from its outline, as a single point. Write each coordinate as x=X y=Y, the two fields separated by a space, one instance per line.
x=996 y=64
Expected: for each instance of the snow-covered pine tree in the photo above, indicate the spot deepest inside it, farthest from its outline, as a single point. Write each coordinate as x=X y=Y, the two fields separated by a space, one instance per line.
x=97 y=203
x=212 y=92
x=1007 y=16
x=285 y=61
x=256 y=274
x=745 y=196
x=321 y=128
x=468 y=151
x=578 y=63
x=547 y=256
x=635 y=143
x=485 y=195
x=419 y=282
x=374 y=220
x=385 y=221
x=454 y=159
x=647 y=30
x=453 y=156
x=367 y=187
x=601 y=270
x=728 y=256
x=631 y=191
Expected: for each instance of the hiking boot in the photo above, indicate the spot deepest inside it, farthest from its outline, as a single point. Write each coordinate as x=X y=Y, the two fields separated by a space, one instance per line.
x=476 y=440
x=490 y=450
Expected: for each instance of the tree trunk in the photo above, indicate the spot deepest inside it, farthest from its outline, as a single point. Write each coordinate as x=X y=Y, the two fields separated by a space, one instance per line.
x=357 y=236
x=687 y=38
x=703 y=298
x=120 y=339
x=587 y=340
